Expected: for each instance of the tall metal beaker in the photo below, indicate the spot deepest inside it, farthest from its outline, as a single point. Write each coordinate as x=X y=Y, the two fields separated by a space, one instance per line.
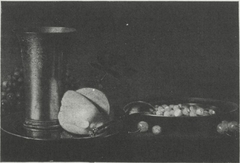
x=44 y=53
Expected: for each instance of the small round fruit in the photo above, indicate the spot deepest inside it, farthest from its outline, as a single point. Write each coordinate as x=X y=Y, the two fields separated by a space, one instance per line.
x=18 y=95
x=156 y=129
x=199 y=111
x=171 y=106
x=4 y=103
x=21 y=88
x=211 y=111
x=16 y=73
x=142 y=126
x=220 y=128
x=171 y=113
x=21 y=70
x=192 y=111
x=9 y=77
x=167 y=114
x=9 y=89
x=178 y=113
x=4 y=84
x=159 y=112
x=3 y=95
x=175 y=107
x=185 y=111
x=14 y=84
x=233 y=126
x=20 y=79
x=9 y=84
x=225 y=125
x=159 y=108
x=19 y=103
x=11 y=97
x=192 y=108
x=167 y=108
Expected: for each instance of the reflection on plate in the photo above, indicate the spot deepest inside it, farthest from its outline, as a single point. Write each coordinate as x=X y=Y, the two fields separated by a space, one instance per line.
x=13 y=125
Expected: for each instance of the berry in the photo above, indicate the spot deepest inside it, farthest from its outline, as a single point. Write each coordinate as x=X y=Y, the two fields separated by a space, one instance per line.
x=178 y=113
x=199 y=111
x=233 y=126
x=16 y=74
x=211 y=111
x=175 y=107
x=220 y=129
x=9 y=77
x=21 y=70
x=3 y=95
x=159 y=112
x=185 y=111
x=20 y=80
x=4 y=84
x=225 y=125
x=11 y=97
x=156 y=129
x=167 y=114
x=14 y=84
x=19 y=104
x=143 y=126
x=5 y=106
x=4 y=103
x=9 y=89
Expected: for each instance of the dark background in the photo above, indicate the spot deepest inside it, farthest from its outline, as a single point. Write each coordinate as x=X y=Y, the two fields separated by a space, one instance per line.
x=178 y=49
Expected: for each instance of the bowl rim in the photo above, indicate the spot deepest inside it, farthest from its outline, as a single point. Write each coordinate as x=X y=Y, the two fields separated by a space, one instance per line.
x=225 y=107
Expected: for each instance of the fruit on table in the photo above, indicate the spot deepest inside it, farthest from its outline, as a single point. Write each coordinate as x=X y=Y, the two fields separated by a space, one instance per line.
x=228 y=127
x=143 y=126
x=156 y=129
x=221 y=128
x=233 y=126
x=80 y=115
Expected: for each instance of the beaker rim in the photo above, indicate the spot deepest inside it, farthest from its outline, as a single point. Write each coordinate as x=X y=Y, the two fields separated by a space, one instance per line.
x=48 y=30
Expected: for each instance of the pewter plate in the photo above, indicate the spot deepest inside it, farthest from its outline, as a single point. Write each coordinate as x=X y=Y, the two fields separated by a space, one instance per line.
x=13 y=125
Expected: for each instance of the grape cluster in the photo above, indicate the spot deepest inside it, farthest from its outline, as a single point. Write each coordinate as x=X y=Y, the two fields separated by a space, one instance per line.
x=12 y=92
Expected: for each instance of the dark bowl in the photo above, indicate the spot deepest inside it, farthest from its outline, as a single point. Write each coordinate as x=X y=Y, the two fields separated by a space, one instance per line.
x=184 y=124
